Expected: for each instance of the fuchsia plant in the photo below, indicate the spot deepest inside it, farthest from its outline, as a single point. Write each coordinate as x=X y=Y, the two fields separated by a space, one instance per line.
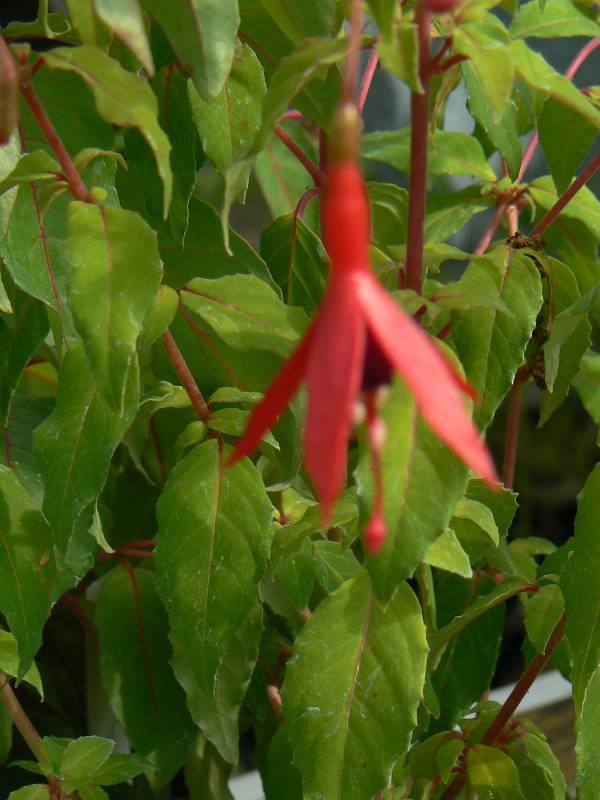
x=186 y=549
x=358 y=335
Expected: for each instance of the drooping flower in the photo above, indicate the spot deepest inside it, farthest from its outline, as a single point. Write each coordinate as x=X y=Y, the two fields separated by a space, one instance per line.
x=357 y=337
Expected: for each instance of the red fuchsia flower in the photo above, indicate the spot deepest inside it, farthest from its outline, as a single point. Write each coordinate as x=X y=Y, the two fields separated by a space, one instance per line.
x=357 y=337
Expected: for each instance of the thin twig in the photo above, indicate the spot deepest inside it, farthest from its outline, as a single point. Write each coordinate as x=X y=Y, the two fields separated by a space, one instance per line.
x=512 y=702
x=567 y=196
x=314 y=172
x=367 y=79
x=574 y=66
x=511 y=442
x=76 y=185
x=490 y=232
x=418 y=156
x=20 y=719
x=180 y=366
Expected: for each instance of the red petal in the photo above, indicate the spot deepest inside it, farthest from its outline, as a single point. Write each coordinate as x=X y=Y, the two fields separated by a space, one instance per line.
x=276 y=398
x=333 y=374
x=428 y=375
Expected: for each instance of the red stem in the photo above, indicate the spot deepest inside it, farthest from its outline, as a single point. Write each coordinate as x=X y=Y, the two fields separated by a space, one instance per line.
x=574 y=66
x=187 y=379
x=512 y=702
x=367 y=79
x=314 y=172
x=511 y=442
x=418 y=157
x=489 y=234
x=568 y=195
x=308 y=195
x=20 y=719
x=76 y=185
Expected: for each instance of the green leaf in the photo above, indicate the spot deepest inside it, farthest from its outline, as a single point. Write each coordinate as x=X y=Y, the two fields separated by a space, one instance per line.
x=389 y=211
x=313 y=18
x=202 y=34
x=485 y=44
x=399 y=52
x=83 y=20
x=206 y=773
x=291 y=572
x=27 y=568
x=119 y=767
x=245 y=313
x=37 y=791
x=228 y=124
x=234 y=421
x=540 y=753
x=334 y=564
x=75 y=445
x=581 y=592
x=291 y=76
x=125 y=20
x=82 y=758
x=556 y=19
x=122 y=98
x=338 y=748
x=422 y=482
x=492 y=774
x=508 y=588
x=36 y=166
x=114 y=260
x=468 y=662
x=19 y=340
x=539 y=75
x=297 y=260
x=569 y=336
x=447 y=553
x=29 y=251
x=449 y=153
x=138 y=680
x=447 y=213
x=587 y=383
x=588 y=739
x=170 y=87
x=503 y=133
x=92 y=793
x=9 y=662
x=566 y=139
x=543 y=611
x=211 y=551
x=53 y=748
x=491 y=344
x=203 y=253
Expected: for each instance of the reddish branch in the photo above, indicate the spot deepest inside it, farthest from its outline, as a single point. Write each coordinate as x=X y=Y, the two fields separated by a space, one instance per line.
x=76 y=185
x=568 y=195
x=512 y=702
x=180 y=366
x=314 y=172
x=20 y=719
x=511 y=442
x=367 y=79
x=418 y=156
x=574 y=66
